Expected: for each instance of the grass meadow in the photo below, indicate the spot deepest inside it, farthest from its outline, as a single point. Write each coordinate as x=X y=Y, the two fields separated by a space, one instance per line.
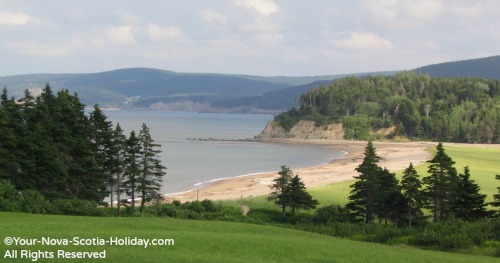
x=484 y=164
x=204 y=241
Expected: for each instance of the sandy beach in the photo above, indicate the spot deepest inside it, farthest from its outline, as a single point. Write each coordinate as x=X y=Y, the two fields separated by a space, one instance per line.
x=394 y=155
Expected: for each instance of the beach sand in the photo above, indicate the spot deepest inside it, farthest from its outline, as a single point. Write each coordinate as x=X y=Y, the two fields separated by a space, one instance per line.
x=395 y=156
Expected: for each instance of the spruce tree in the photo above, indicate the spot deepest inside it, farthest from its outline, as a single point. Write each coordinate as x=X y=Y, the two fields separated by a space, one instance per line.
x=469 y=204
x=296 y=196
x=117 y=155
x=496 y=197
x=440 y=185
x=279 y=187
x=387 y=196
x=412 y=190
x=152 y=171
x=102 y=134
x=132 y=167
x=363 y=198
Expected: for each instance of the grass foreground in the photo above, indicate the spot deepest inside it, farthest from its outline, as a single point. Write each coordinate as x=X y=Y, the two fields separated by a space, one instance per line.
x=199 y=241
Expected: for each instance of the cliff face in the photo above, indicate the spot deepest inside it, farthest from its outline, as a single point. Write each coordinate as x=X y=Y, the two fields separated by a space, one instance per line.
x=303 y=130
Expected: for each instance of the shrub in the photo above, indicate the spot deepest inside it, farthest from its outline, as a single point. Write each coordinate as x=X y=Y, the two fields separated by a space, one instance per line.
x=8 y=195
x=331 y=213
x=31 y=201
x=75 y=207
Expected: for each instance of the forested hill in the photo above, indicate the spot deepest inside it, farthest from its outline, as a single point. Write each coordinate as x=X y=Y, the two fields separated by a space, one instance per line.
x=415 y=106
x=488 y=68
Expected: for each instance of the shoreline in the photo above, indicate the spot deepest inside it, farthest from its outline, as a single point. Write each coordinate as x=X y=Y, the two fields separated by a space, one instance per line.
x=395 y=156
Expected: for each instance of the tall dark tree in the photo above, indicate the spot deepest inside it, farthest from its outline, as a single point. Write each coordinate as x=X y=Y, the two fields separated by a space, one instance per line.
x=387 y=196
x=132 y=167
x=496 y=197
x=469 y=204
x=363 y=198
x=440 y=185
x=118 y=153
x=411 y=188
x=102 y=133
x=297 y=197
x=151 y=170
x=85 y=179
x=279 y=187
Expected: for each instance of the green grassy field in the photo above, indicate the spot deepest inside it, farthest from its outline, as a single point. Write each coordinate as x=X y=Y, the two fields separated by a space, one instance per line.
x=484 y=163
x=203 y=241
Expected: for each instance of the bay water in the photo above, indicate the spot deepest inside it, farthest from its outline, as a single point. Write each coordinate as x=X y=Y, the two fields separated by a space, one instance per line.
x=196 y=163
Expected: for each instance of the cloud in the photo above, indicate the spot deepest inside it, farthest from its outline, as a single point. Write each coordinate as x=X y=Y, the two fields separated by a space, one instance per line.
x=159 y=33
x=361 y=41
x=16 y=19
x=403 y=13
x=210 y=16
x=120 y=35
x=264 y=7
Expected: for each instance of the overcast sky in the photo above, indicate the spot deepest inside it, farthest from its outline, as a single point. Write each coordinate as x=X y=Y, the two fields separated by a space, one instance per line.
x=255 y=37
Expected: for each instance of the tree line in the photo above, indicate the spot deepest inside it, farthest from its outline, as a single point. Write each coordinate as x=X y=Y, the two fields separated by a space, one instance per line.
x=50 y=147
x=419 y=107
x=377 y=194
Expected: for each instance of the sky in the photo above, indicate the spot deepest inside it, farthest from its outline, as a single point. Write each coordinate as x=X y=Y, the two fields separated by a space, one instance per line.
x=252 y=37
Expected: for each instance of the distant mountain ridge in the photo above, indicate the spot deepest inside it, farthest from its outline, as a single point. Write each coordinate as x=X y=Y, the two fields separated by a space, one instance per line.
x=156 y=89
x=488 y=68
x=146 y=88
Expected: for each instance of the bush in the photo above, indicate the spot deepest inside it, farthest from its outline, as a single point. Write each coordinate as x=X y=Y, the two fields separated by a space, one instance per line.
x=31 y=201
x=331 y=213
x=8 y=194
x=75 y=207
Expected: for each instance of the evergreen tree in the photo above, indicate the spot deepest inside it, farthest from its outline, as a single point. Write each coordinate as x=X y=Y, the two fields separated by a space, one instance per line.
x=469 y=203
x=296 y=196
x=103 y=147
x=117 y=155
x=279 y=188
x=363 y=198
x=132 y=167
x=496 y=197
x=440 y=185
x=152 y=171
x=412 y=190
x=387 y=196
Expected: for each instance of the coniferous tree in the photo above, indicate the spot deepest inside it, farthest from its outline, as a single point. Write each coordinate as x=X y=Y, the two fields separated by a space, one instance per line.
x=363 y=198
x=496 y=197
x=469 y=204
x=279 y=188
x=102 y=138
x=132 y=167
x=152 y=171
x=118 y=153
x=440 y=185
x=412 y=190
x=387 y=196
x=297 y=197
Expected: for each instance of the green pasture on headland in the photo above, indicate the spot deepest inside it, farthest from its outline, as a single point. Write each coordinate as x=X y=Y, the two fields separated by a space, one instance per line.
x=484 y=164
x=203 y=241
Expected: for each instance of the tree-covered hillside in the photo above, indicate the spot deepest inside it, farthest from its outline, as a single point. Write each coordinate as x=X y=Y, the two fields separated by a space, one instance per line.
x=488 y=68
x=419 y=107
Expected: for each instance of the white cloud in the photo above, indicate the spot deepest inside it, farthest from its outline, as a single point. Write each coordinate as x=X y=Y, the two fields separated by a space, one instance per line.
x=16 y=19
x=361 y=41
x=403 y=13
x=120 y=35
x=264 y=7
x=159 y=33
x=210 y=16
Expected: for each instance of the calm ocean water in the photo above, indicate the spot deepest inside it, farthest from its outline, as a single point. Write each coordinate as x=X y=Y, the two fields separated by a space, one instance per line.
x=192 y=162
